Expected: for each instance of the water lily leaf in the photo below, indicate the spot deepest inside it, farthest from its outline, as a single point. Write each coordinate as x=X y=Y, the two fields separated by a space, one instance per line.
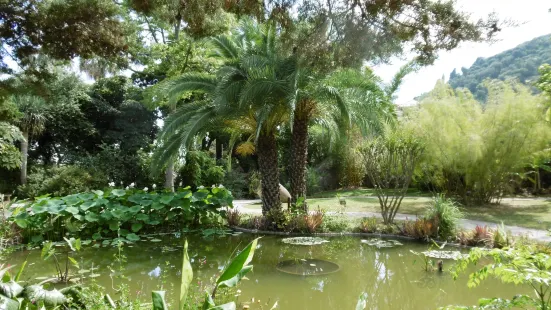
x=381 y=243
x=118 y=192
x=158 y=298
x=454 y=255
x=11 y=289
x=91 y=217
x=98 y=192
x=101 y=202
x=136 y=227
x=38 y=209
x=132 y=237
x=304 y=241
x=71 y=200
x=22 y=223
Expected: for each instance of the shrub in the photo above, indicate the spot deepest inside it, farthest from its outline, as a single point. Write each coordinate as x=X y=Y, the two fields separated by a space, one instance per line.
x=420 y=228
x=200 y=169
x=233 y=216
x=335 y=223
x=446 y=213
x=313 y=220
x=369 y=224
x=480 y=235
x=60 y=181
x=100 y=214
x=313 y=181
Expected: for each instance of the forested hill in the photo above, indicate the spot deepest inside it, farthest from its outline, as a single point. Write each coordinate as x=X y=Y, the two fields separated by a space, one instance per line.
x=521 y=62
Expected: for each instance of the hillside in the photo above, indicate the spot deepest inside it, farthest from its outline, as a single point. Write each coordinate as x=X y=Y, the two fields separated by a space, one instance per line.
x=521 y=62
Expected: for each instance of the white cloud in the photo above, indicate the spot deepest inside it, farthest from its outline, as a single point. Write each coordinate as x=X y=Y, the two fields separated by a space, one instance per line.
x=534 y=19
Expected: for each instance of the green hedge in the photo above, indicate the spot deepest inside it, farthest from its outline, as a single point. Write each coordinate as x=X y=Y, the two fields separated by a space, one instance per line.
x=99 y=214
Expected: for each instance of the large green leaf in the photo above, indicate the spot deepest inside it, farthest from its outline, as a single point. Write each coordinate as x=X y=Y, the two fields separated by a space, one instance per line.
x=228 y=306
x=87 y=196
x=72 y=210
x=118 y=192
x=10 y=289
x=118 y=213
x=36 y=293
x=231 y=282
x=47 y=250
x=87 y=205
x=98 y=193
x=135 y=209
x=187 y=276
x=91 y=217
x=142 y=217
x=73 y=243
x=8 y=304
x=158 y=298
x=166 y=199
x=132 y=237
x=114 y=225
x=136 y=227
x=235 y=267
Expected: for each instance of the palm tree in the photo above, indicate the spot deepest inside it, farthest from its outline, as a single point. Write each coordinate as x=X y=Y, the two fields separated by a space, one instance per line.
x=31 y=123
x=339 y=99
x=252 y=82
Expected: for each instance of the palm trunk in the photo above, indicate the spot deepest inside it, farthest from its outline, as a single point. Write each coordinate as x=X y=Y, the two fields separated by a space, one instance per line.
x=169 y=176
x=299 y=158
x=268 y=164
x=24 y=155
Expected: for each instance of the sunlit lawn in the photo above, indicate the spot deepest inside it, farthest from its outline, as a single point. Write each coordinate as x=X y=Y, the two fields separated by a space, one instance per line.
x=524 y=212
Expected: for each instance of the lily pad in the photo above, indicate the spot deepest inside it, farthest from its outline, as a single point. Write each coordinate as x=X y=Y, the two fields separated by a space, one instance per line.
x=379 y=243
x=155 y=240
x=304 y=240
x=454 y=255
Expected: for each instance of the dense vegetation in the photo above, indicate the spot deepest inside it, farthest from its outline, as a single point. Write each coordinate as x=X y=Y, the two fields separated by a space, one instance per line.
x=520 y=63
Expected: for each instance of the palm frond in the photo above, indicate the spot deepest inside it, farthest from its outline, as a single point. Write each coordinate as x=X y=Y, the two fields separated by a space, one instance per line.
x=398 y=78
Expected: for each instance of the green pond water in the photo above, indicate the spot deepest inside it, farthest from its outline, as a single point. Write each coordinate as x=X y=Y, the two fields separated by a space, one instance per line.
x=392 y=277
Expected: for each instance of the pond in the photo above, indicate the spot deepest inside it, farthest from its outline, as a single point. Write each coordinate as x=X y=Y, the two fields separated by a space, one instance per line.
x=392 y=276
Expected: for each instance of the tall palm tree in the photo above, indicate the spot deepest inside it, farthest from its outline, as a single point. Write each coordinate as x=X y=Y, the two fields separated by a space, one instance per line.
x=31 y=124
x=253 y=81
x=338 y=99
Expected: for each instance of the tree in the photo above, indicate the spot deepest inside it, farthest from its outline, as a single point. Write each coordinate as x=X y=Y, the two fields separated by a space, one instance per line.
x=390 y=161
x=253 y=82
x=31 y=124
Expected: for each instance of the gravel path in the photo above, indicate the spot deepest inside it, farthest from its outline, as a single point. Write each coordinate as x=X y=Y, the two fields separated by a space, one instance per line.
x=535 y=234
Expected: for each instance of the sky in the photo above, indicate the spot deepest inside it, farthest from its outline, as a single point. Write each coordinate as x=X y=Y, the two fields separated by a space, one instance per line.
x=534 y=20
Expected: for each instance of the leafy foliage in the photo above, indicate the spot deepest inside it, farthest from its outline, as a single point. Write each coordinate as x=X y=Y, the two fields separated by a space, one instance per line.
x=520 y=266
x=475 y=153
x=100 y=214
x=446 y=213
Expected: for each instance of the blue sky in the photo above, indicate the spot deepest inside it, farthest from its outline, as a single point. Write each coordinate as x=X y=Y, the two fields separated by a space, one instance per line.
x=534 y=18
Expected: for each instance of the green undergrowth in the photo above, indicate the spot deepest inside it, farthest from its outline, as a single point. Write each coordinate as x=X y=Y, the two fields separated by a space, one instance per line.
x=118 y=213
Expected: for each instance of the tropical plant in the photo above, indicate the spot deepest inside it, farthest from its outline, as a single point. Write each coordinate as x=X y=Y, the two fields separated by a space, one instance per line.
x=520 y=266
x=115 y=212
x=31 y=123
x=446 y=213
x=235 y=270
x=390 y=162
x=252 y=83
x=10 y=157
x=49 y=250
x=17 y=295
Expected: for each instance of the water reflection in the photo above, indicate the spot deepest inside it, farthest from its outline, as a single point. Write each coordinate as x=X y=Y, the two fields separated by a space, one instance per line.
x=387 y=275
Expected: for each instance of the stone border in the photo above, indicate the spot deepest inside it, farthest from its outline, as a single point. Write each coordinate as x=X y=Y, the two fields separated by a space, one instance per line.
x=333 y=234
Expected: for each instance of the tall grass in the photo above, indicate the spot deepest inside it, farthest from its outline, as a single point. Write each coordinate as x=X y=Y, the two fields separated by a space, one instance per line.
x=446 y=213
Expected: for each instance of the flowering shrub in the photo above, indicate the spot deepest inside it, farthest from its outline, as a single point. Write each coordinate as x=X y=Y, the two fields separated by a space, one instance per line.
x=123 y=212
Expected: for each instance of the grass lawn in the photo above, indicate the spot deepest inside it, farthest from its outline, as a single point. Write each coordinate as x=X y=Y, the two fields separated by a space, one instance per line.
x=524 y=212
